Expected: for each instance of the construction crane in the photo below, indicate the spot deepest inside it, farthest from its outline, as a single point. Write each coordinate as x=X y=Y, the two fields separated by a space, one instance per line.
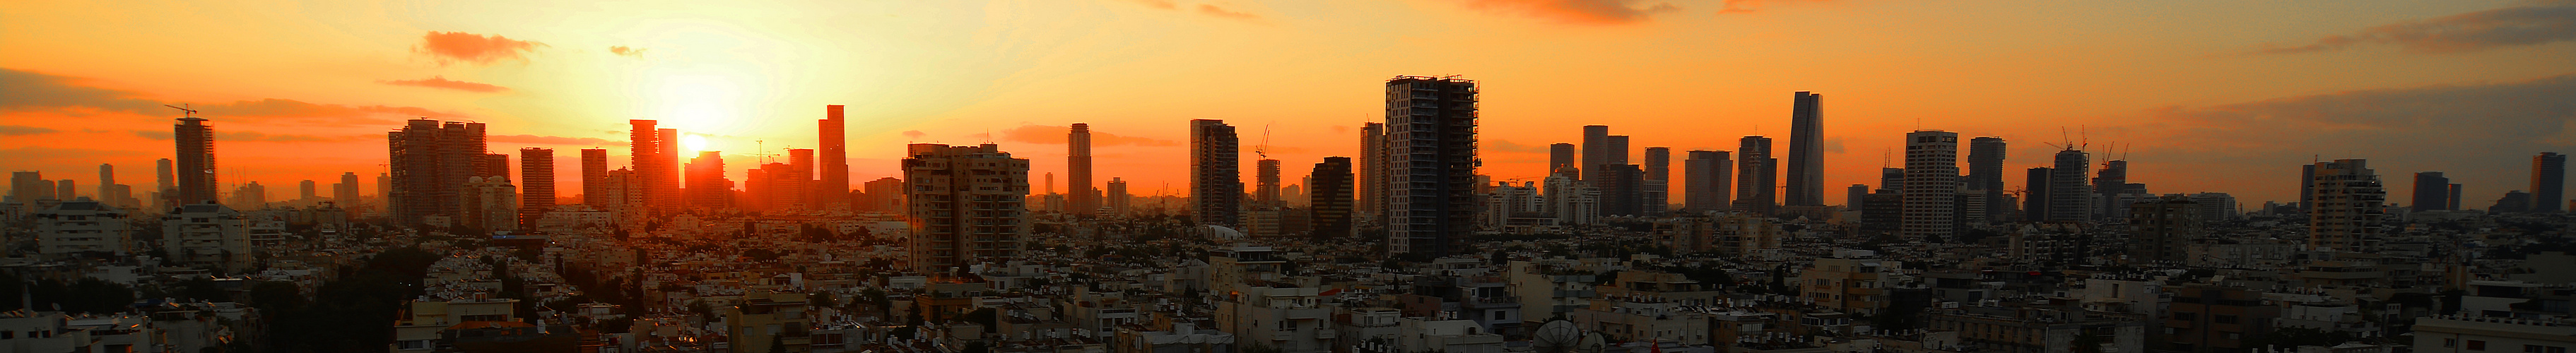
x=1264 y=149
x=191 y=112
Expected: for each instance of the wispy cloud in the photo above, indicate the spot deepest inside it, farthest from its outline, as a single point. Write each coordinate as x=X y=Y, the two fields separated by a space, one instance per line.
x=443 y=83
x=1058 y=135
x=450 y=47
x=221 y=135
x=31 y=91
x=2492 y=126
x=626 y=52
x=553 y=140
x=2533 y=24
x=14 y=130
x=1211 y=10
x=1592 y=12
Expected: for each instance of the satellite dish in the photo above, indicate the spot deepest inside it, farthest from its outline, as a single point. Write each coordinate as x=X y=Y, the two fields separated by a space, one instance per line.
x=1557 y=336
x=1592 y=343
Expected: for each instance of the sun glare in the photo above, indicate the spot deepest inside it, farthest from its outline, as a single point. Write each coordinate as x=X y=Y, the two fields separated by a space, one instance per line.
x=695 y=143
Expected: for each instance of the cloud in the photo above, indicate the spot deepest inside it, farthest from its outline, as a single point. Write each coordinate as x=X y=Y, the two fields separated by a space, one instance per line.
x=2490 y=128
x=27 y=155
x=1203 y=9
x=14 y=130
x=31 y=91
x=221 y=135
x=1159 y=4
x=1508 y=146
x=1213 y=10
x=443 y=82
x=625 y=51
x=1590 y=12
x=552 y=140
x=914 y=134
x=1057 y=135
x=473 y=48
x=2535 y=24
x=1746 y=6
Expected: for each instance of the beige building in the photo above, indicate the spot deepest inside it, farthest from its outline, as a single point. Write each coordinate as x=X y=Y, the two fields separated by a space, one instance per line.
x=765 y=318
x=966 y=202
x=83 y=226
x=207 y=235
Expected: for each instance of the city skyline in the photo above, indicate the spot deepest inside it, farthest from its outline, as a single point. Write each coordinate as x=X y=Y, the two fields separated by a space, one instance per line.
x=2181 y=127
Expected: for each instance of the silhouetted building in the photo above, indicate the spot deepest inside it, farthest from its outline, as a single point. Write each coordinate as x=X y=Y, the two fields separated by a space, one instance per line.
x=1431 y=123
x=1986 y=174
x=196 y=165
x=1806 y=174
x=594 y=177
x=1329 y=197
x=2163 y=228
x=1084 y=200
x=2454 y=198
x=2513 y=202
x=1216 y=173
x=1756 y=187
x=1560 y=156
x=1596 y=149
x=2035 y=201
x=2548 y=182
x=1265 y=178
x=1118 y=199
x=2069 y=199
x=645 y=158
x=1931 y=185
x=2432 y=192
x=1658 y=185
x=536 y=183
x=834 y=165
x=1709 y=177
x=431 y=162
x=1622 y=187
x=489 y=203
x=708 y=188
x=967 y=203
x=1372 y=172
x=2348 y=206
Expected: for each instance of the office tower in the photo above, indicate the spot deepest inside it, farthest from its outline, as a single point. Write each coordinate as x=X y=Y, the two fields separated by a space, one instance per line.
x=2454 y=198
x=108 y=193
x=1986 y=173
x=2069 y=199
x=2548 y=182
x=1266 y=184
x=206 y=235
x=644 y=145
x=1708 y=179
x=1372 y=172
x=2108 y=185
x=1855 y=196
x=2513 y=202
x=1431 y=125
x=1117 y=197
x=2307 y=187
x=834 y=187
x=536 y=185
x=431 y=161
x=1622 y=189
x=708 y=189
x=385 y=190
x=1330 y=198
x=883 y=195
x=307 y=191
x=1891 y=179
x=346 y=194
x=1596 y=148
x=27 y=187
x=196 y=166
x=1756 y=186
x=2432 y=192
x=65 y=189
x=165 y=195
x=1659 y=171
x=2348 y=206
x=2035 y=202
x=594 y=177
x=622 y=195
x=1216 y=173
x=490 y=203
x=1618 y=153
x=775 y=187
x=249 y=196
x=1806 y=174
x=82 y=226
x=1573 y=202
x=1560 y=157
x=666 y=175
x=2163 y=228
x=2216 y=206
x=493 y=165
x=967 y=205
x=1077 y=170
x=1931 y=185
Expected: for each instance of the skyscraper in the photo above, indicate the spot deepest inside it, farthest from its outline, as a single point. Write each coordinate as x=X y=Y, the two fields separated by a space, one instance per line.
x=1708 y=176
x=1756 y=188
x=27 y=187
x=1372 y=172
x=967 y=204
x=2548 y=182
x=307 y=191
x=196 y=166
x=1658 y=186
x=1986 y=173
x=1617 y=152
x=1806 y=179
x=1431 y=123
x=1118 y=197
x=2347 y=212
x=2108 y=184
x=1216 y=173
x=431 y=162
x=346 y=194
x=2432 y=192
x=1931 y=185
x=834 y=188
x=666 y=176
x=1560 y=157
x=1596 y=148
x=2069 y=199
x=708 y=189
x=644 y=145
x=1084 y=200
x=1622 y=189
x=165 y=195
x=1266 y=184
x=536 y=184
x=594 y=178
x=1330 y=198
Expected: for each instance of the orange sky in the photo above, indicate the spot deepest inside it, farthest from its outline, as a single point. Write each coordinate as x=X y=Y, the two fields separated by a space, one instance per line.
x=2224 y=96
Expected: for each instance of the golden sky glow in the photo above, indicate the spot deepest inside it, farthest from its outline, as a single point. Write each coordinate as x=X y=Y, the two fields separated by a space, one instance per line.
x=2224 y=96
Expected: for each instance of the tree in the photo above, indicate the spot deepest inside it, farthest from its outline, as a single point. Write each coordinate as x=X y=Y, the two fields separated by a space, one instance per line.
x=276 y=295
x=777 y=344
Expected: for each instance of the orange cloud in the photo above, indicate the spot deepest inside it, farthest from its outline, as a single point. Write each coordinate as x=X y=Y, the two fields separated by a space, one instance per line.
x=1598 y=12
x=13 y=130
x=1212 y=10
x=30 y=91
x=1057 y=135
x=2512 y=26
x=474 y=48
x=625 y=51
x=443 y=82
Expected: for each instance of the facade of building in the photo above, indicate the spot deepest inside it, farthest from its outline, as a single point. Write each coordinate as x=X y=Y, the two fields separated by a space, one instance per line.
x=1806 y=173
x=1216 y=173
x=834 y=160
x=537 y=185
x=1431 y=137
x=207 y=235
x=2348 y=206
x=2548 y=182
x=1986 y=175
x=966 y=203
x=2432 y=192
x=81 y=226
x=1931 y=185
x=196 y=161
x=1329 y=198
x=1757 y=179
x=1077 y=167
x=2069 y=199
x=431 y=161
x=1708 y=177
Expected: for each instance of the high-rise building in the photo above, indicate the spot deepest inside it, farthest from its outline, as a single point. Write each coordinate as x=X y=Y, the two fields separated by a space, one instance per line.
x=2109 y=184
x=1431 y=123
x=883 y=195
x=81 y=226
x=1855 y=196
x=536 y=183
x=1117 y=197
x=2069 y=199
x=208 y=235
x=1596 y=148
x=2163 y=228
x=1622 y=188
x=2548 y=182
x=1806 y=174
x=1560 y=157
x=594 y=177
x=249 y=196
x=834 y=187
x=1077 y=167
x=345 y=193
x=431 y=161
x=2348 y=206
x=490 y=203
x=1891 y=179
x=493 y=165
x=667 y=178
x=196 y=166
x=65 y=189
x=1708 y=180
x=1266 y=184
x=165 y=194
x=27 y=187
x=308 y=192
x=1931 y=185
x=1986 y=173
x=967 y=204
x=2432 y=192
x=1757 y=181
x=111 y=193
x=1372 y=172
x=2035 y=203
x=1329 y=197
x=1216 y=173
x=2307 y=187
x=708 y=189
x=644 y=157
x=2454 y=198
x=1658 y=186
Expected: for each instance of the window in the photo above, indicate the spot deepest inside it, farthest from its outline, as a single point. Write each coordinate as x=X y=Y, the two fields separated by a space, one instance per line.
x=2450 y=343
x=2186 y=316
x=2477 y=345
x=2224 y=319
